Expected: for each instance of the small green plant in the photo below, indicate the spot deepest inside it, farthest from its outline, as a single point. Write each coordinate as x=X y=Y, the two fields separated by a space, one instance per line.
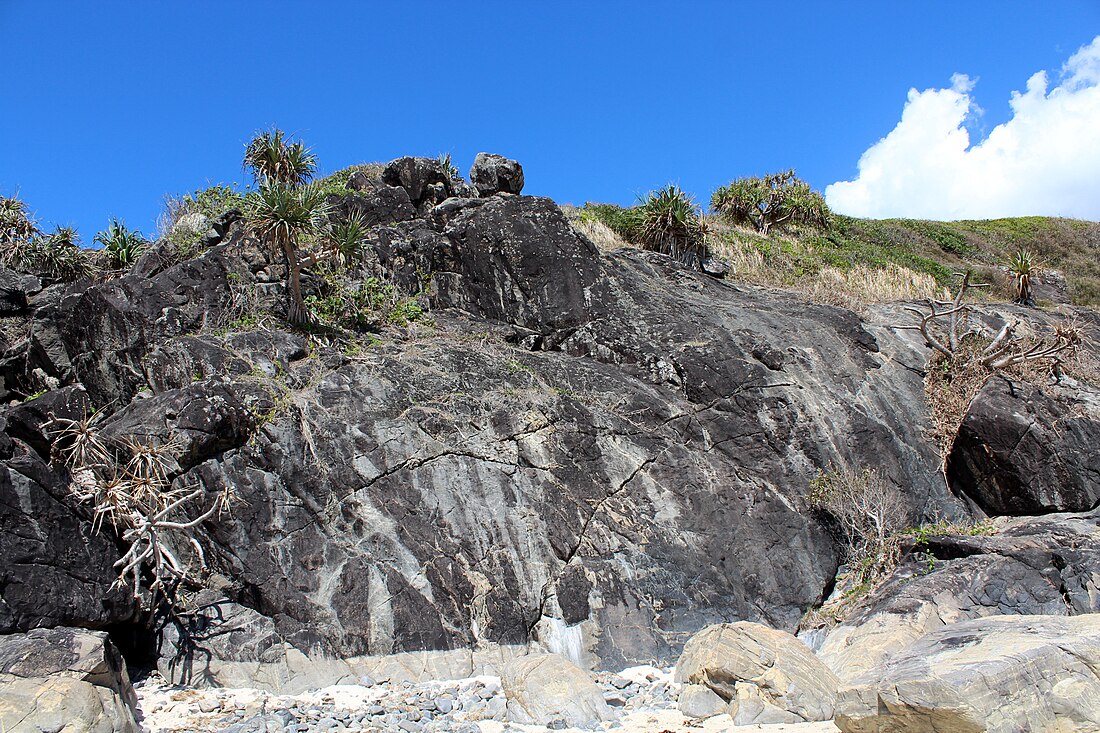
x=449 y=168
x=774 y=200
x=1022 y=267
x=668 y=221
x=123 y=246
x=348 y=239
x=363 y=306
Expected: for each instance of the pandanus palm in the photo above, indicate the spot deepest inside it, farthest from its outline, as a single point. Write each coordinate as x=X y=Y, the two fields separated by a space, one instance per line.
x=275 y=160
x=281 y=214
x=285 y=206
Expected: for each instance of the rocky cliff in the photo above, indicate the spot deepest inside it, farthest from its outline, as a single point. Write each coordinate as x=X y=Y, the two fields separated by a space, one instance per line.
x=599 y=452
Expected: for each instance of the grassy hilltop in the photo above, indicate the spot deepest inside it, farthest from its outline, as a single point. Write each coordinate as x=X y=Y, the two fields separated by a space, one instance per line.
x=886 y=259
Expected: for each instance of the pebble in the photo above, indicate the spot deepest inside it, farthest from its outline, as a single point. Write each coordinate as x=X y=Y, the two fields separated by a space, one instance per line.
x=379 y=706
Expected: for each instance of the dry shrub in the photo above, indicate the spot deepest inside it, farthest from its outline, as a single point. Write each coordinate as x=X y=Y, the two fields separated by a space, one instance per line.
x=868 y=513
x=128 y=484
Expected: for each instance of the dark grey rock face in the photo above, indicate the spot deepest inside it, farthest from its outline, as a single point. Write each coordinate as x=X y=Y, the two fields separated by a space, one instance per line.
x=1029 y=450
x=493 y=173
x=602 y=454
x=54 y=570
x=15 y=289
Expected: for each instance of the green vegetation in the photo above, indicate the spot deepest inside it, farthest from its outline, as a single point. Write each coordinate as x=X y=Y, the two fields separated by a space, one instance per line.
x=665 y=221
x=55 y=257
x=122 y=246
x=668 y=221
x=337 y=183
x=285 y=206
x=774 y=200
x=1021 y=267
x=366 y=305
x=867 y=260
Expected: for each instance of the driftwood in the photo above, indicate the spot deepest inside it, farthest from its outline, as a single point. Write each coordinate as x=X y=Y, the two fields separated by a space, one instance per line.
x=943 y=323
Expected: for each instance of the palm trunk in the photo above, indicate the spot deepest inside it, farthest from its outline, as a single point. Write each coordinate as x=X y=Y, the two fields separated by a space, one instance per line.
x=296 y=312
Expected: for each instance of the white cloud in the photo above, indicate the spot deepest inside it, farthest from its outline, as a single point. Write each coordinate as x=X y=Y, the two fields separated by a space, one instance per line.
x=1045 y=160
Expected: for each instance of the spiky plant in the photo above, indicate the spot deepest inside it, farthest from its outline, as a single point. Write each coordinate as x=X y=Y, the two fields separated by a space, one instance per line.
x=1022 y=266
x=61 y=258
x=274 y=160
x=123 y=246
x=281 y=214
x=449 y=168
x=16 y=224
x=347 y=239
x=773 y=200
x=668 y=221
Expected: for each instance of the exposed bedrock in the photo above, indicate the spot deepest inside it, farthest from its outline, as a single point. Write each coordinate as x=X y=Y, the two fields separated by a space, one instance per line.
x=602 y=453
x=1024 y=449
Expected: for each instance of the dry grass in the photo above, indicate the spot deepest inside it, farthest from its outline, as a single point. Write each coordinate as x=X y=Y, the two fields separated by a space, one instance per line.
x=787 y=262
x=599 y=233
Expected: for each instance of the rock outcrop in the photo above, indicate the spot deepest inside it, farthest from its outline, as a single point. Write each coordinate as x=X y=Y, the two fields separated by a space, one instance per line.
x=600 y=454
x=763 y=676
x=1023 y=449
x=65 y=680
x=1046 y=565
x=547 y=689
x=1000 y=674
x=493 y=173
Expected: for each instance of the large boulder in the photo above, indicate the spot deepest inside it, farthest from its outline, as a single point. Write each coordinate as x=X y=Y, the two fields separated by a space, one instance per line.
x=423 y=179
x=1024 y=449
x=64 y=680
x=1045 y=565
x=546 y=688
x=765 y=675
x=493 y=173
x=16 y=289
x=1001 y=674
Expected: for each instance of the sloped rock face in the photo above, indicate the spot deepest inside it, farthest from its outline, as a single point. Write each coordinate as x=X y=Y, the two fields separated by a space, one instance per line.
x=1022 y=449
x=998 y=675
x=1045 y=565
x=64 y=679
x=54 y=568
x=602 y=455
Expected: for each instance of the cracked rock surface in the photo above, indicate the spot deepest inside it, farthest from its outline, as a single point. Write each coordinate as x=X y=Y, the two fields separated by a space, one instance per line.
x=597 y=453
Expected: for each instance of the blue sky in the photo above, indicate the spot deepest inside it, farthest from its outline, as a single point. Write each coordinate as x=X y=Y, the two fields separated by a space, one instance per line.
x=109 y=106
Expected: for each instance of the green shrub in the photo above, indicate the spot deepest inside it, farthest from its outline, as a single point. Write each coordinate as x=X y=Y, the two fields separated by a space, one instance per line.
x=670 y=222
x=666 y=220
x=624 y=222
x=337 y=183
x=123 y=246
x=363 y=306
x=774 y=200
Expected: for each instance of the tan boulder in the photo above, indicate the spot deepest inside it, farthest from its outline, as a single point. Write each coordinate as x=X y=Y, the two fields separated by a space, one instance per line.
x=546 y=688
x=65 y=681
x=1000 y=674
x=765 y=675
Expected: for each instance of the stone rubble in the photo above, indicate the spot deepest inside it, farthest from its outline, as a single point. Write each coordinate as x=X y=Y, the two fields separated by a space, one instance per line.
x=644 y=697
